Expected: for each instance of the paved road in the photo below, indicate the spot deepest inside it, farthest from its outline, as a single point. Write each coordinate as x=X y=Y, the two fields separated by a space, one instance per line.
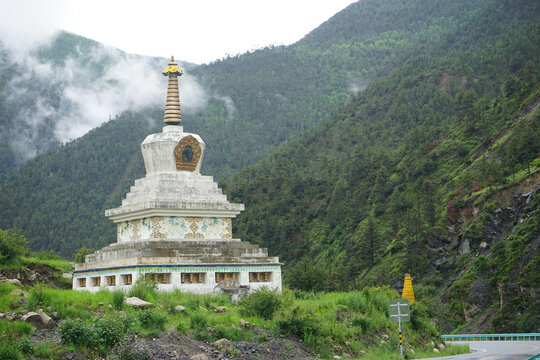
x=497 y=350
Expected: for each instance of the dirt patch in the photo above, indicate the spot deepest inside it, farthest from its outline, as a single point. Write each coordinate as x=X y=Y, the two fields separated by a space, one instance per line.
x=173 y=345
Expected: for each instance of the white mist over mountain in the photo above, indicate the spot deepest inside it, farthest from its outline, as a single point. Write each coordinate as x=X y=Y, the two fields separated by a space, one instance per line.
x=73 y=97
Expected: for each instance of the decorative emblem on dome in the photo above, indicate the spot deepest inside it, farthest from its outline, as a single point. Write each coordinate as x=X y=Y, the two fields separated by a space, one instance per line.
x=187 y=153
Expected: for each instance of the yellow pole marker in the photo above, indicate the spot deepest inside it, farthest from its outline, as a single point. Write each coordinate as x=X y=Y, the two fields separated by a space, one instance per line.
x=408 y=292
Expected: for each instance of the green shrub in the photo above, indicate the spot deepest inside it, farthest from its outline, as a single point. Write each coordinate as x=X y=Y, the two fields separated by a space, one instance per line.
x=143 y=289
x=25 y=346
x=298 y=323
x=47 y=255
x=9 y=351
x=108 y=331
x=262 y=302
x=75 y=332
x=12 y=330
x=100 y=333
x=363 y=322
x=42 y=351
x=38 y=298
x=181 y=327
x=12 y=244
x=222 y=331
x=118 y=299
x=80 y=255
x=198 y=321
x=151 y=320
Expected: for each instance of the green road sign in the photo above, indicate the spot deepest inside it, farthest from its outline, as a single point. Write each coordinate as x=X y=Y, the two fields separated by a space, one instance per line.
x=399 y=310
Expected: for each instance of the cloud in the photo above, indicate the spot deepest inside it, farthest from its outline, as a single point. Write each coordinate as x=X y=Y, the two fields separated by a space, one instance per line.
x=74 y=95
x=25 y=24
x=354 y=86
x=228 y=102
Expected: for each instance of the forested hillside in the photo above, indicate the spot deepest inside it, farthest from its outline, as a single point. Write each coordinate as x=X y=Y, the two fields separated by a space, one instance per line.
x=242 y=106
x=432 y=170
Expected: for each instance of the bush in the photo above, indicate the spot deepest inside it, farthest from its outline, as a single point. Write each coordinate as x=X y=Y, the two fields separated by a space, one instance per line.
x=47 y=255
x=118 y=299
x=12 y=330
x=198 y=321
x=9 y=351
x=25 y=346
x=42 y=351
x=222 y=331
x=262 y=302
x=109 y=331
x=75 y=332
x=12 y=244
x=306 y=276
x=363 y=322
x=151 y=320
x=298 y=323
x=80 y=255
x=100 y=333
x=143 y=289
x=38 y=297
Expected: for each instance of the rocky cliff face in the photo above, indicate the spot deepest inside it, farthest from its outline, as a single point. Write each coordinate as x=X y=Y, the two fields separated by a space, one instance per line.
x=490 y=263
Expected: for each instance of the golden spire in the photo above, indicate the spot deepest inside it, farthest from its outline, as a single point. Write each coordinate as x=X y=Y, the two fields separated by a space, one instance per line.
x=172 y=108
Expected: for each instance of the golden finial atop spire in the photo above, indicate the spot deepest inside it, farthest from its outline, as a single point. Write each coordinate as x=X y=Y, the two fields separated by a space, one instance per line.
x=172 y=108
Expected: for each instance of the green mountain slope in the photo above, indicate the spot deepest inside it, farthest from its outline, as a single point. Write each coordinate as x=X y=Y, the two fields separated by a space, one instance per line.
x=407 y=178
x=254 y=103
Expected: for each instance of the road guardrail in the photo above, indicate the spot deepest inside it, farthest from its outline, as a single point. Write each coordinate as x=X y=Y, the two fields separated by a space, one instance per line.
x=492 y=337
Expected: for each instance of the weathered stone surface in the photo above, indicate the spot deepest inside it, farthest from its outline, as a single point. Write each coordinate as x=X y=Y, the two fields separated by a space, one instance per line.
x=39 y=319
x=180 y=308
x=223 y=344
x=220 y=309
x=464 y=247
x=138 y=303
x=14 y=282
x=19 y=292
x=245 y=323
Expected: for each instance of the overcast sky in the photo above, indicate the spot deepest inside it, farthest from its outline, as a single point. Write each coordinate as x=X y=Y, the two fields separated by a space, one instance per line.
x=199 y=31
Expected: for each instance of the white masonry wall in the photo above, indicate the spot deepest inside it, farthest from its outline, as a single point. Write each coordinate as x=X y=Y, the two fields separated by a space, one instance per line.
x=209 y=286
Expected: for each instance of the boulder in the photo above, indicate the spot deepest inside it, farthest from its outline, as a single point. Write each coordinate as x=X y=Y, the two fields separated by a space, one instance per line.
x=39 y=319
x=19 y=292
x=180 y=308
x=245 y=323
x=220 y=309
x=14 y=282
x=223 y=344
x=138 y=303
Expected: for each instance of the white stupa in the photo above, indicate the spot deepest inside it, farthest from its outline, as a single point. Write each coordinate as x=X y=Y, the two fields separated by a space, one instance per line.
x=175 y=226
